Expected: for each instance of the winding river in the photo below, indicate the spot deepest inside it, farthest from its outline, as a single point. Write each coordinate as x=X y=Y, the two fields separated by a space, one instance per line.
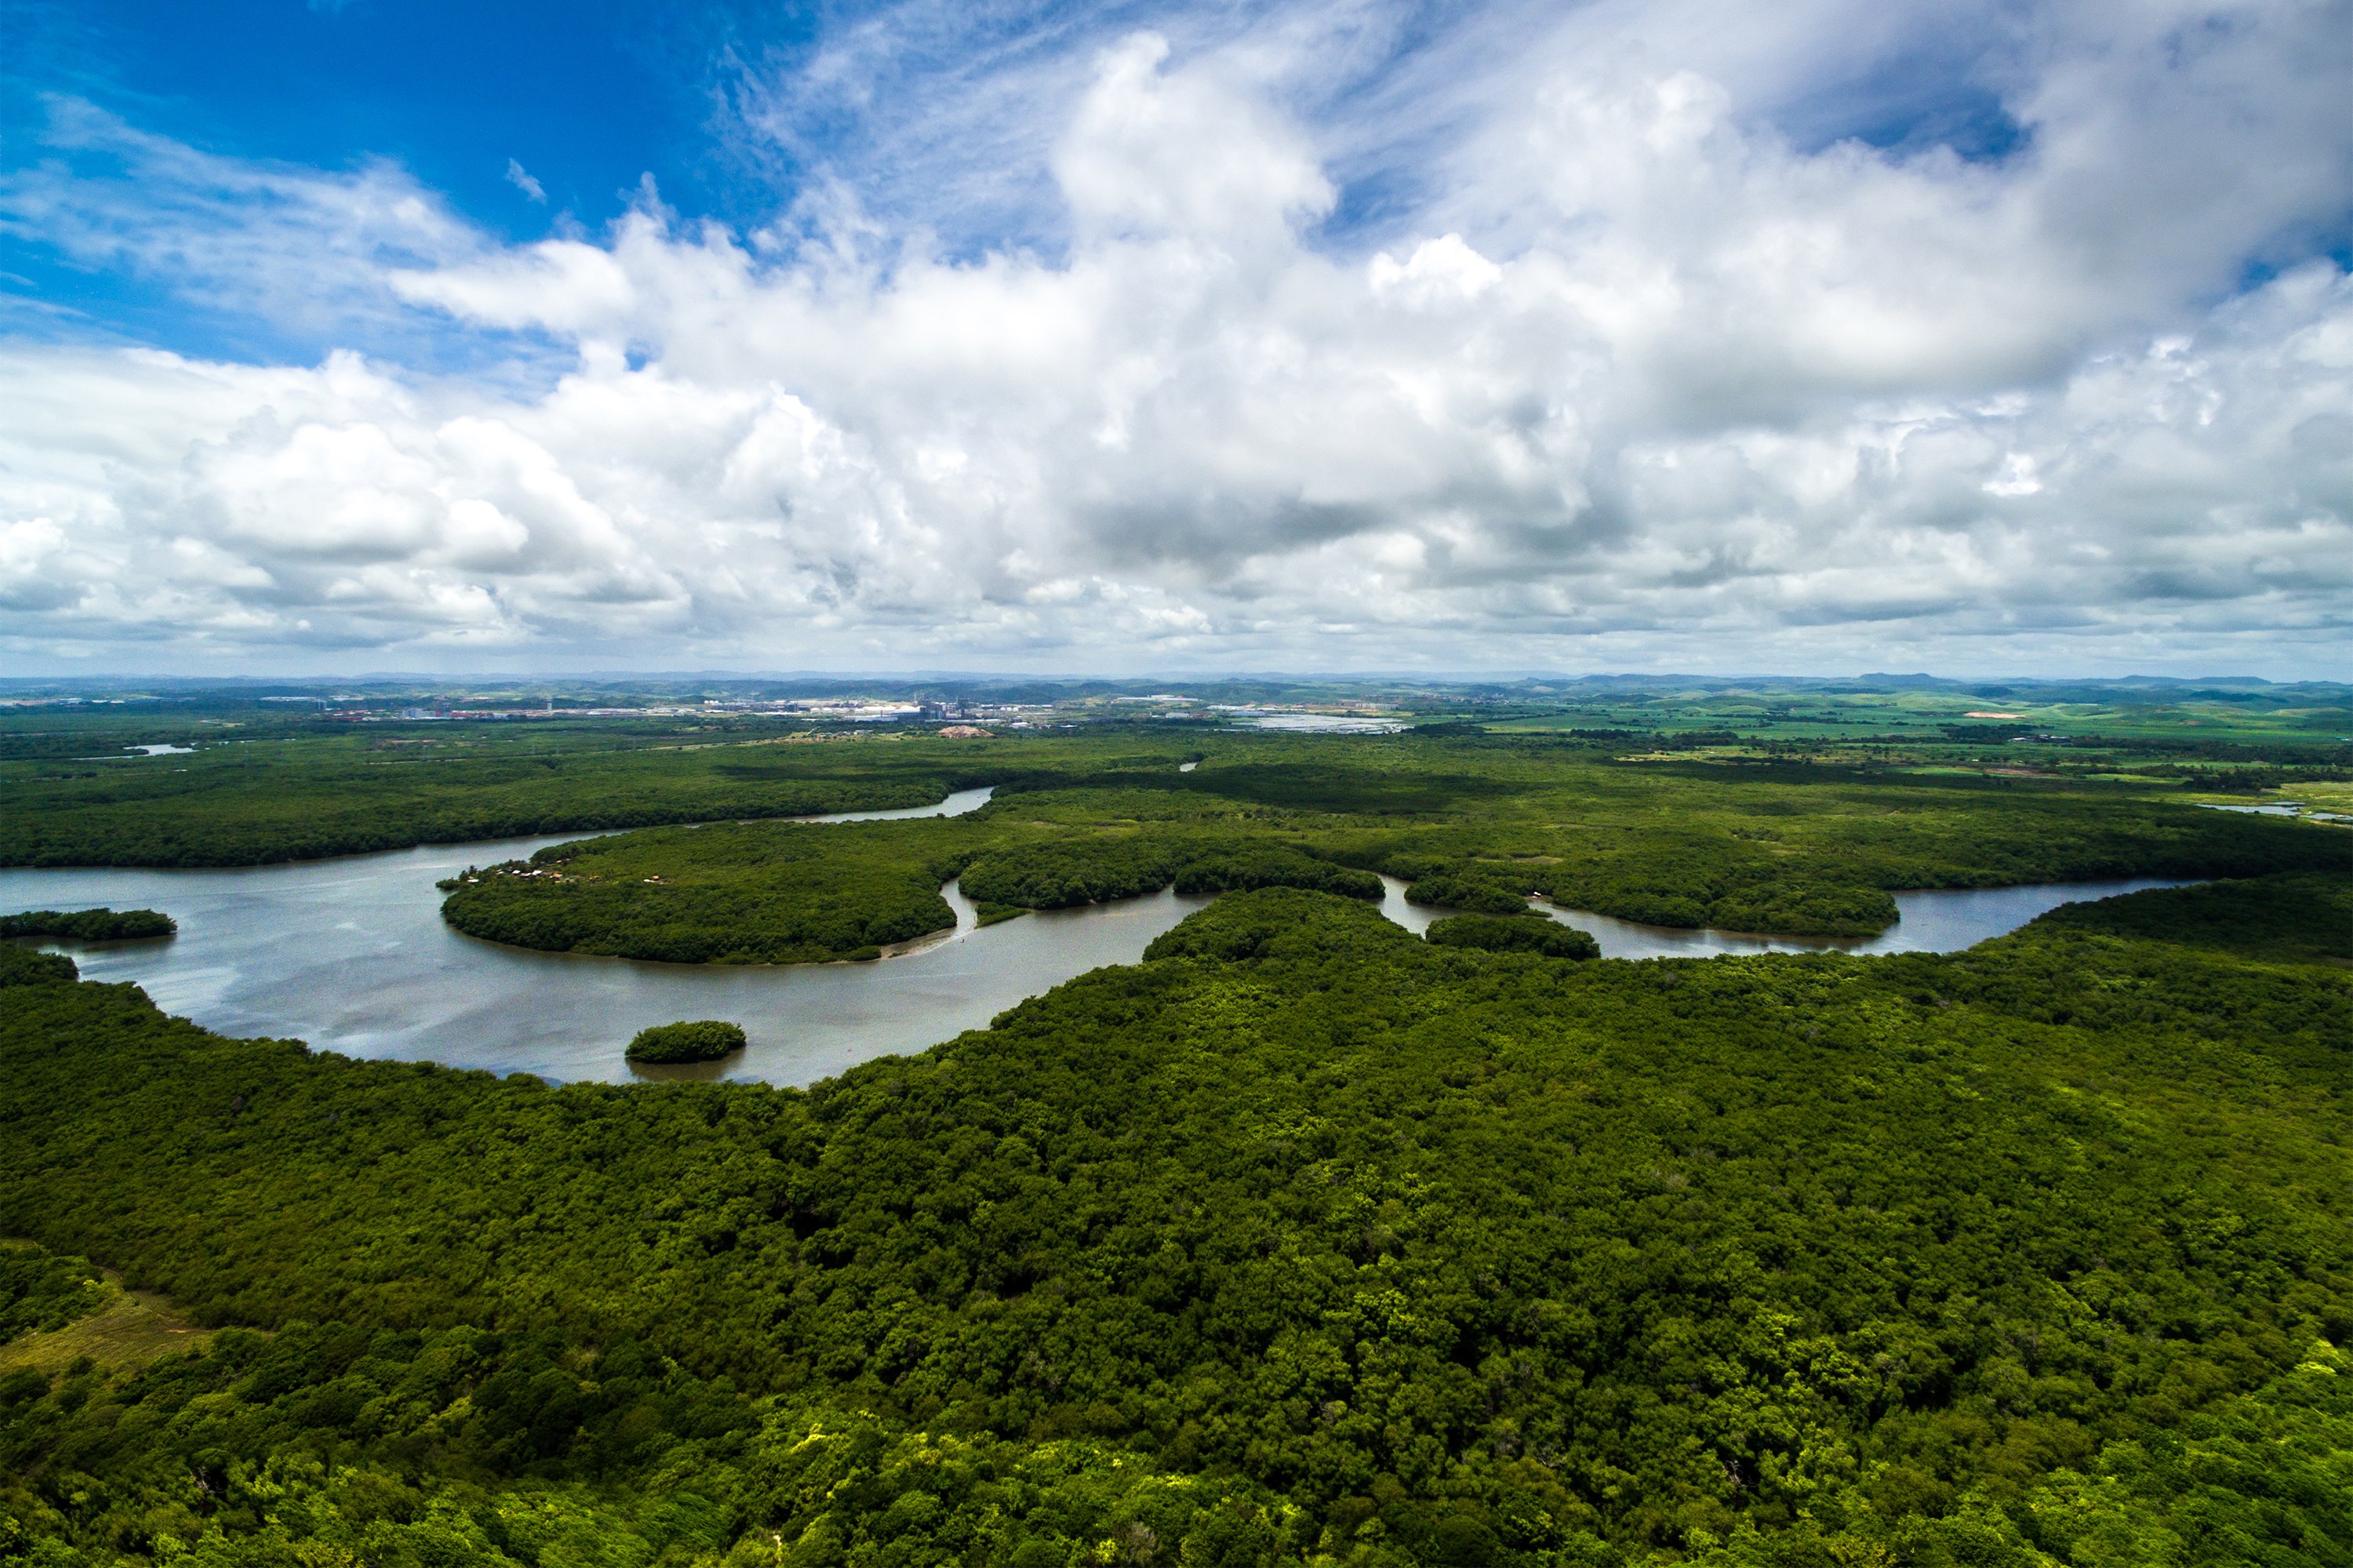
x=1933 y=921
x=352 y=955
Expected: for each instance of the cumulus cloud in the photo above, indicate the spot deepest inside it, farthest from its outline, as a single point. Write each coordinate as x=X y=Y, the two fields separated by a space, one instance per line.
x=1656 y=381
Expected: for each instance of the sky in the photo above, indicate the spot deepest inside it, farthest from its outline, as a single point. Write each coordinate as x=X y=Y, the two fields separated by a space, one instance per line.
x=1995 y=336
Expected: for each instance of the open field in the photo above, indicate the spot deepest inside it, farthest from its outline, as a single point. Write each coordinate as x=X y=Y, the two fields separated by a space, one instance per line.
x=132 y=1329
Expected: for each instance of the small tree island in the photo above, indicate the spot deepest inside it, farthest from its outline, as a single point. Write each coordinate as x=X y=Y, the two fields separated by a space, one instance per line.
x=705 y=1040
x=1515 y=933
x=88 y=925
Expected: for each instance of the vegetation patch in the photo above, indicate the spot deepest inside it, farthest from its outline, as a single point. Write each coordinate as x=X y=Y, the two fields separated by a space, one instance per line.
x=1301 y=1241
x=773 y=892
x=131 y=1329
x=22 y=966
x=88 y=925
x=40 y=1292
x=2306 y=918
x=58 y=1313
x=1776 y=849
x=1513 y=934
x=1448 y=892
x=704 y=1039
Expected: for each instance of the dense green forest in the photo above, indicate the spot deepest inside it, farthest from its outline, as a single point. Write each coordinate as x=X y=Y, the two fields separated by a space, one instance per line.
x=87 y=925
x=696 y=1040
x=741 y=891
x=1475 y=825
x=305 y=797
x=791 y=893
x=1610 y=823
x=1522 y=933
x=23 y=966
x=1301 y=1241
x=41 y=1292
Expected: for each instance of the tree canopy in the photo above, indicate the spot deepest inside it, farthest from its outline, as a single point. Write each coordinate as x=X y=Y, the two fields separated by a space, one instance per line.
x=1302 y=1240
x=702 y=1040
x=87 y=925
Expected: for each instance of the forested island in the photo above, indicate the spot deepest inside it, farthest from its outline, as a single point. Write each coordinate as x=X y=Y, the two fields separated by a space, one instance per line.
x=1473 y=825
x=700 y=1039
x=1304 y=1240
x=87 y=925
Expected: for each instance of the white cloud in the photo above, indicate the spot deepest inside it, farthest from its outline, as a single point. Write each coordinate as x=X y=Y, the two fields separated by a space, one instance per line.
x=1653 y=385
x=519 y=177
x=296 y=247
x=1150 y=155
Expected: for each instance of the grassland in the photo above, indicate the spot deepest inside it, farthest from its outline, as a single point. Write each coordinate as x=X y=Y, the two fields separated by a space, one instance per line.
x=132 y=1329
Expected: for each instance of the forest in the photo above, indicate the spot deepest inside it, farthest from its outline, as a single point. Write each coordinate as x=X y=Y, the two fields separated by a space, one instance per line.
x=1301 y=1241
x=88 y=925
x=1473 y=825
x=304 y=797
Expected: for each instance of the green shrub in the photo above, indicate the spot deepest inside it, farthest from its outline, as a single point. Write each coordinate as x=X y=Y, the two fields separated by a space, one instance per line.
x=705 y=1040
x=1805 y=909
x=1515 y=933
x=88 y=925
x=1460 y=893
x=22 y=966
x=1275 y=865
x=39 y=1290
x=1085 y=870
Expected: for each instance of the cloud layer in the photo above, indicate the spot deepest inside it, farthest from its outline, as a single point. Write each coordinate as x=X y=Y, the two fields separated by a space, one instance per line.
x=1644 y=377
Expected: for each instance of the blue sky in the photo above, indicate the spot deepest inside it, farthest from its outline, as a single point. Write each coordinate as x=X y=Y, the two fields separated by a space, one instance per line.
x=1323 y=332
x=587 y=101
x=534 y=118
x=590 y=97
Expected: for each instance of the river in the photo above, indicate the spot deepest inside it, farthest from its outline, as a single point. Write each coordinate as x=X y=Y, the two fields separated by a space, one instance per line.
x=1930 y=921
x=350 y=955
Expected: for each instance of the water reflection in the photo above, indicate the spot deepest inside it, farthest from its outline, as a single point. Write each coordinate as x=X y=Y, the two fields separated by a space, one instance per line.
x=352 y=955
x=1313 y=724
x=133 y=753
x=2276 y=809
x=1940 y=921
x=955 y=805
